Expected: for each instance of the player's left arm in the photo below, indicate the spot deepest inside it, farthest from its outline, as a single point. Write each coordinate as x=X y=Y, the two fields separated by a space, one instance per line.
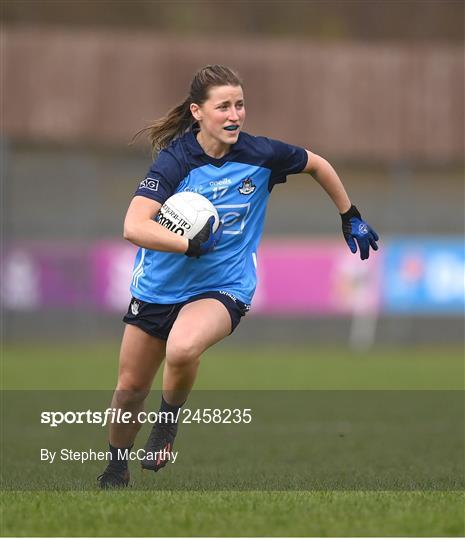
x=324 y=173
x=356 y=231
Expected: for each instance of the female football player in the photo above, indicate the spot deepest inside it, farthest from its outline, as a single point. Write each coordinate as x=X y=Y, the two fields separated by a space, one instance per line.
x=189 y=294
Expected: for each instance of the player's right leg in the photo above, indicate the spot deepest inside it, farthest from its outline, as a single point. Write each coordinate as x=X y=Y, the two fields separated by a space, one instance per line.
x=140 y=357
x=199 y=325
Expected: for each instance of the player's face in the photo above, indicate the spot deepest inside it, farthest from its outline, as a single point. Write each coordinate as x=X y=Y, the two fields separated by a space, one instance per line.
x=222 y=115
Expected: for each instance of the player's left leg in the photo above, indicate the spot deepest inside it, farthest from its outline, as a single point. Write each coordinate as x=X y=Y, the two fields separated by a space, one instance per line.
x=199 y=325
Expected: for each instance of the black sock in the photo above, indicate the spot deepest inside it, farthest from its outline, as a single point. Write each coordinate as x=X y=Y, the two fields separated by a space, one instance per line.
x=167 y=408
x=117 y=457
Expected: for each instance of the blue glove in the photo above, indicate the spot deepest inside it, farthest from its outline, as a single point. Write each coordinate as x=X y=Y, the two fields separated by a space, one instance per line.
x=356 y=231
x=205 y=240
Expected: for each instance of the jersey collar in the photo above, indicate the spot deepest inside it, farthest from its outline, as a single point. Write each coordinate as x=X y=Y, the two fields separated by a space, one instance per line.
x=192 y=144
x=195 y=148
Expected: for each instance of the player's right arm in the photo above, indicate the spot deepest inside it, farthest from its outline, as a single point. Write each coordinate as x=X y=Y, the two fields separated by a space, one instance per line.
x=141 y=229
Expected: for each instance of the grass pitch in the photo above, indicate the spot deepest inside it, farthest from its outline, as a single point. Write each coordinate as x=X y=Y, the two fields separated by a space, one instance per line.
x=237 y=513
x=228 y=514
x=95 y=367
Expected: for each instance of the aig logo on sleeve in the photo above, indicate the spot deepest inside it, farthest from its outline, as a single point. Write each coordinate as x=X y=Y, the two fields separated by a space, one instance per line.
x=149 y=183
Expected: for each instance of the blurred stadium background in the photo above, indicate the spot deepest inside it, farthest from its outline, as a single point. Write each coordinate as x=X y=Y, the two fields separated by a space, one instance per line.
x=375 y=87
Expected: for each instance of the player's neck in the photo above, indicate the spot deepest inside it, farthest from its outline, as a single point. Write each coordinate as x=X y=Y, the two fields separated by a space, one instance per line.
x=212 y=147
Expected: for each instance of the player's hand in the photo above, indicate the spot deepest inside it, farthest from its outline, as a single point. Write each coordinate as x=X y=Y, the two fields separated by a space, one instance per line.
x=358 y=232
x=205 y=240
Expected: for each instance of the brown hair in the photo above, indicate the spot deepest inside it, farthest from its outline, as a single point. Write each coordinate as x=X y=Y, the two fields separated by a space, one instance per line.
x=179 y=119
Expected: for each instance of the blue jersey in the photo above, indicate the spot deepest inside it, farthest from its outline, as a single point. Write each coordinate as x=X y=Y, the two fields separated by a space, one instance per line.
x=239 y=185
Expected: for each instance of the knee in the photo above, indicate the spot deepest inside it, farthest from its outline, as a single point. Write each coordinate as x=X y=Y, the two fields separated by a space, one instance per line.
x=182 y=354
x=129 y=394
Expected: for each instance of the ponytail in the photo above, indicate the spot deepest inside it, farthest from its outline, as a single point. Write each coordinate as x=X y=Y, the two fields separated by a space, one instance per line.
x=174 y=124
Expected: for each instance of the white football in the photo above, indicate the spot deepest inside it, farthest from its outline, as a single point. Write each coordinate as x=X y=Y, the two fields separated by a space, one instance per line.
x=186 y=213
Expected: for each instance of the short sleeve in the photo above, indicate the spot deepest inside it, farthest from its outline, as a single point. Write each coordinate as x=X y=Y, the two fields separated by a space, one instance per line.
x=163 y=177
x=286 y=159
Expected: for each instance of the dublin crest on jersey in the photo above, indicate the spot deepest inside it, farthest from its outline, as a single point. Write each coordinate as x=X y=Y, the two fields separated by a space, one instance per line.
x=247 y=187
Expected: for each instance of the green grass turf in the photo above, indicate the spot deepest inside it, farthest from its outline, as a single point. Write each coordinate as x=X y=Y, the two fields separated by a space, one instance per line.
x=232 y=513
x=94 y=366
x=169 y=513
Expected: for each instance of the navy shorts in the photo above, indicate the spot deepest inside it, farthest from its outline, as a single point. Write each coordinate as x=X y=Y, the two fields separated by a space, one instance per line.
x=158 y=319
